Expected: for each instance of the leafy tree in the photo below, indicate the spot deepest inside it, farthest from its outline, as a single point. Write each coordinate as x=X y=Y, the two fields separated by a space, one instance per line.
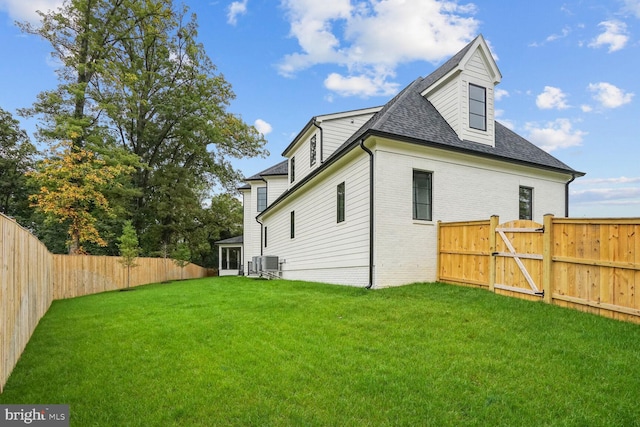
x=181 y=256
x=129 y=249
x=16 y=158
x=134 y=78
x=71 y=191
x=168 y=104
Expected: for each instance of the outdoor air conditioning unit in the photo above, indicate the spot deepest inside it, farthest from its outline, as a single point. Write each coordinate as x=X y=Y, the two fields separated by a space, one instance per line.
x=257 y=265
x=269 y=263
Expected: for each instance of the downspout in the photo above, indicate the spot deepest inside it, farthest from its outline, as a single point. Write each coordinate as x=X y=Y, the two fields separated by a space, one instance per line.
x=371 y=205
x=566 y=195
x=321 y=140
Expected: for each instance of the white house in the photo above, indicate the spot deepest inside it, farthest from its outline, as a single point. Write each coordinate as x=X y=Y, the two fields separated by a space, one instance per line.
x=357 y=200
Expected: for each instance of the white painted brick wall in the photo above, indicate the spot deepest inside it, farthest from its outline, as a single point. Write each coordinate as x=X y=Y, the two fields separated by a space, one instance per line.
x=464 y=188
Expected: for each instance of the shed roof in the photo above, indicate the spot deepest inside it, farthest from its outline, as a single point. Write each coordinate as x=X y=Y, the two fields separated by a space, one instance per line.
x=231 y=240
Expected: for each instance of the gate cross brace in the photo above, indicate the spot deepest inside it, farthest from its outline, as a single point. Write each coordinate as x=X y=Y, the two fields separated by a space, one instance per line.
x=516 y=258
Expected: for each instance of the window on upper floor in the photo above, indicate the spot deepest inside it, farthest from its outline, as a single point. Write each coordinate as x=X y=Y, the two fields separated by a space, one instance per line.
x=422 y=195
x=340 y=202
x=477 y=107
x=526 y=203
x=262 y=198
x=292 y=172
x=292 y=232
x=312 y=150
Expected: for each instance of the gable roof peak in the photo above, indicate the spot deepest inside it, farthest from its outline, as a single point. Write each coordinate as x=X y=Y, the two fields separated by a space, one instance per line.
x=457 y=62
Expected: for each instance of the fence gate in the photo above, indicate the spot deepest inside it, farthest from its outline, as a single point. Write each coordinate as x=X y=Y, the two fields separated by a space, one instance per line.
x=518 y=257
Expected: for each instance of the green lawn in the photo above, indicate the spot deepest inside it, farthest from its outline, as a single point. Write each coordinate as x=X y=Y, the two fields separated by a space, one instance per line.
x=235 y=351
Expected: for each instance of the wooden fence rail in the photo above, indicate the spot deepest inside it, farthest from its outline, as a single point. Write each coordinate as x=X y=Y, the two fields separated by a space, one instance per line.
x=587 y=264
x=31 y=278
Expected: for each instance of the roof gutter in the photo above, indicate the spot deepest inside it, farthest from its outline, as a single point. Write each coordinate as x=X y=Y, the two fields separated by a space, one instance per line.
x=371 y=205
x=566 y=195
x=315 y=123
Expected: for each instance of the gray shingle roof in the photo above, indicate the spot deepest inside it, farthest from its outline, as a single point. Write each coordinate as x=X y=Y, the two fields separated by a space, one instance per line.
x=281 y=168
x=411 y=117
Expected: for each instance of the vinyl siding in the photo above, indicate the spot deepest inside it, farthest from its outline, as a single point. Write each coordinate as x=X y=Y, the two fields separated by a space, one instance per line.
x=275 y=187
x=324 y=250
x=475 y=72
x=337 y=131
x=464 y=188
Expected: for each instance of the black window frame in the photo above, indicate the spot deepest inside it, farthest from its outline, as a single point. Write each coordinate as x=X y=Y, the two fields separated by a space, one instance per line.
x=312 y=151
x=475 y=101
x=292 y=231
x=525 y=206
x=265 y=237
x=292 y=172
x=416 y=198
x=259 y=197
x=340 y=202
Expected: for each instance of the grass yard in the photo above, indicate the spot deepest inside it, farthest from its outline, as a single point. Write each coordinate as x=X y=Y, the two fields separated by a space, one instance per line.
x=235 y=351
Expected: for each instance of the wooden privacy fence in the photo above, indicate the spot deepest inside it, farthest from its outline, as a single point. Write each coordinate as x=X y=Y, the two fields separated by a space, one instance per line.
x=588 y=264
x=31 y=278
x=26 y=291
x=77 y=275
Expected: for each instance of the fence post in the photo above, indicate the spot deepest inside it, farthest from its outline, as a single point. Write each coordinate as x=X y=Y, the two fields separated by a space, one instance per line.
x=547 y=258
x=438 y=251
x=493 y=224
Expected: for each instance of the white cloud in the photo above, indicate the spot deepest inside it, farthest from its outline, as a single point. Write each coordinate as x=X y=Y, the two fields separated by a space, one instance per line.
x=609 y=96
x=605 y=192
x=500 y=93
x=633 y=6
x=551 y=98
x=25 y=10
x=614 y=35
x=586 y=108
x=554 y=135
x=553 y=37
x=360 y=85
x=263 y=127
x=617 y=180
x=236 y=9
x=371 y=38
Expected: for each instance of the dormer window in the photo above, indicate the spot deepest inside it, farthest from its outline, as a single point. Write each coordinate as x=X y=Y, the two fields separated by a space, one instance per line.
x=292 y=168
x=477 y=107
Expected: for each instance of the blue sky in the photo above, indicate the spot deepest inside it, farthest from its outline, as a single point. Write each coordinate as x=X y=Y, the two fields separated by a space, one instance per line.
x=570 y=71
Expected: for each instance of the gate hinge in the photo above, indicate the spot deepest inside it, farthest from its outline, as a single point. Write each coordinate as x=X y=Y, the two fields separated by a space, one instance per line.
x=541 y=229
x=541 y=293
x=494 y=253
